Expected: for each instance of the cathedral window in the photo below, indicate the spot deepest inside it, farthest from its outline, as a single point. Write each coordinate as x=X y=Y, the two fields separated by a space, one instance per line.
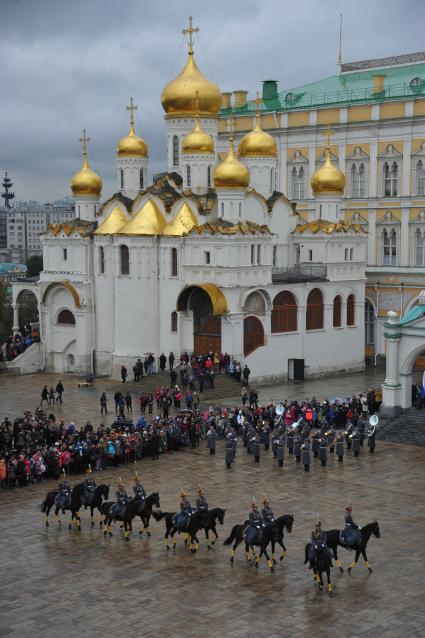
x=175 y=150
x=253 y=254
x=389 y=247
x=259 y=254
x=124 y=260
x=65 y=317
x=209 y=177
x=315 y=310
x=174 y=321
x=188 y=177
x=271 y=179
x=141 y=179
x=121 y=178
x=284 y=313
x=207 y=256
x=240 y=209
x=174 y=262
x=298 y=183
x=419 y=248
x=65 y=254
x=390 y=179
x=337 y=312
x=369 y=322
x=253 y=334
x=350 y=310
x=420 y=178
x=274 y=255
x=101 y=260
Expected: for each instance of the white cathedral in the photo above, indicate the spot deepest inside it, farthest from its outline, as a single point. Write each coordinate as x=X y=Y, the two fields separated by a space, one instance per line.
x=208 y=257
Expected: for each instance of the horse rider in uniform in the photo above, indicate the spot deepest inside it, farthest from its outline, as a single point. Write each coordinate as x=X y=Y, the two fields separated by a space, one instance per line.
x=305 y=455
x=267 y=513
x=351 y=534
x=118 y=508
x=63 y=499
x=89 y=488
x=182 y=518
x=318 y=541
x=201 y=501
x=139 y=490
x=229 y=450
x=252 y=533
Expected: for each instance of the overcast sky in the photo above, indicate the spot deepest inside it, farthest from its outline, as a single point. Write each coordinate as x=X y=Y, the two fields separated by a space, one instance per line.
x=66 y=65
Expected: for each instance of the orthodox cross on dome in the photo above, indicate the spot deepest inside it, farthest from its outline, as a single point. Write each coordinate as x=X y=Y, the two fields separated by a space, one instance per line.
x=190 y=31
x=328 y=134
x=231 y=130
x=131 y=108
x=258 y=101
x=84 y=141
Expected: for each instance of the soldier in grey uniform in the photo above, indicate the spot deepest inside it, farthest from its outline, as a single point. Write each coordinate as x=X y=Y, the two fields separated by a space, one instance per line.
x=280 y=449
x=267 y=513
x=305 y=455
x=371 y=441
x=255 y=447
x=251 y=435
x=89 y=488
x=211 y=439
x=339 y=449
x=138 y=489
x=229 y=450
x=275 y=437
x=356 y=443
x=202 y=504
x=290 y=437
x=323 y=452
x=297 y=448
x=118 y=508
x=315 y=445
x=351 y=534
x=266 y=435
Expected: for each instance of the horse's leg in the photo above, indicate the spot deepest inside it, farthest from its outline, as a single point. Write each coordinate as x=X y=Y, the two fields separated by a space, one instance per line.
x=48 y=508
x=146 y=524
x=247 y=552
x=208 y=538
x=127 y=530
x=328 y=576
x=109 y=525
x=71 y=520
x=77 y=514
x=92 y=515
x=173 y=531
x=354 y=563
x=233 y=550
x=166 y=535
x=320 y=580
x=366 y=562
x=337 y=561
x=269 y=561
x=213 y=529
x=281 y=543
x=57 y=516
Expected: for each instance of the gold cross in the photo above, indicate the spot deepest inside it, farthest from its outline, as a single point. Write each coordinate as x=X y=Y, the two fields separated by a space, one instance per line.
x=131 y=108
x=328 y=134
x=190 y=30
x=84 y=141
x=231 y=129
x=257 y=103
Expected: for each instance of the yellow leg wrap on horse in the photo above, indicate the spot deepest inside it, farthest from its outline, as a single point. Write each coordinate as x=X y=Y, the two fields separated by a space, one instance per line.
x=257 y=559
x=329 y=587
x=338 y=563
x=248 y=556
x=146 y=530
x=353 y=564
x=197 y=546
x=273 y=556
x=174 y=542
x=232 y=553
x=366 y=564
x=270 y=563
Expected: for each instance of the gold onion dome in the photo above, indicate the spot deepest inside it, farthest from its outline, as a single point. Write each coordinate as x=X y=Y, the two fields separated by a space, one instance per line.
x=328 y=178
x=257 y=143
x=132 y=145
x=231 y=173
x=86 y=181
x=197 y=141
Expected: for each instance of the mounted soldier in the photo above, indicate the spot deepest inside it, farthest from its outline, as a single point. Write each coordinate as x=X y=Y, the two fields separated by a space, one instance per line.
x=182 y=518
x=318 y=541
x=202 y=504
x=118 y=508
x=252 y=533
x=63 y=499
x=267 y=513
x=139 y=490
x=351 y=534
x=89 y=488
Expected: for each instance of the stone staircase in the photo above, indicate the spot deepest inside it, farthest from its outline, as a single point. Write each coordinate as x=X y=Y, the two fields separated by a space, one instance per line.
x=224 y=386
x=408 y=427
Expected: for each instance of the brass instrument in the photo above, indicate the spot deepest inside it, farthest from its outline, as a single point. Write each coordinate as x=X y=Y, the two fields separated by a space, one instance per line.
x=336 y=439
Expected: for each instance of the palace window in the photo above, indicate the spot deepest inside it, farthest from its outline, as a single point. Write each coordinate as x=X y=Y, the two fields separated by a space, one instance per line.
x=389 y=247
x=124 y=260
x=175 y=150
x=369 y=322
x=298 y=183
x=350 y=310
x=358 y=180
x=315 y=310
x=174 y=262
x=337 y=312
x=420 y=178
x=174 y=321
x=284 y=313
x=390 y=179
x=101 y=260
x=65 y=317
x=419 y=248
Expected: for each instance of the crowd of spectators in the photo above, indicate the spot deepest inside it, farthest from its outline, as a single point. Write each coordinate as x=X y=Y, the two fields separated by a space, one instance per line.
x=16 y=344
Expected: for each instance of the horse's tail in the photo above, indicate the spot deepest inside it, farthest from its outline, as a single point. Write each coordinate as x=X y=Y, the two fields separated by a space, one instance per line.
x=306 y=553
x=43 y=506
x=232 y=536
x=159 y=515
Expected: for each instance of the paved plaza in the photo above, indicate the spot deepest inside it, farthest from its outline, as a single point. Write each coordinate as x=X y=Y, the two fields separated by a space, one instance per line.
x=57 y=582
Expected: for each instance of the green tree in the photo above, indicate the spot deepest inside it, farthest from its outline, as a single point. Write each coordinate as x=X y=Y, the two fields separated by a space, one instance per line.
x=6 y=314
x=34 y=265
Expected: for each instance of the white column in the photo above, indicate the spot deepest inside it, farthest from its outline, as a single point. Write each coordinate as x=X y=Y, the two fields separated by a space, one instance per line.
x=373 y=169
x=15 y=327
x=371 y=238
x=407 y=149
x=391 y=386
x=404 y=239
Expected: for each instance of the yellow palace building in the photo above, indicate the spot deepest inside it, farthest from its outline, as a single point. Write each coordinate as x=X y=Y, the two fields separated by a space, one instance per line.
x=376 y=110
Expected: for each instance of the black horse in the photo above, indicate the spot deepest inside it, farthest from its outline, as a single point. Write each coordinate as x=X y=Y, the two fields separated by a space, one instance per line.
x=209 y=523
x=270 y=534
x=132 y=508
x=100 y=494
x=74 y=506
x=320 y=564
x=334 y=539
x=189 y=532
x=145 y=512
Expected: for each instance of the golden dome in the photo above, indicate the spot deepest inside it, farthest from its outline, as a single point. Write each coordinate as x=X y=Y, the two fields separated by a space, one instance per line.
x=257 y=143
x=328 y=178
x=178 y=97
x=86 y=181
x=182 y=223
x=231 y=173
x=132 y=145
x=197 y=141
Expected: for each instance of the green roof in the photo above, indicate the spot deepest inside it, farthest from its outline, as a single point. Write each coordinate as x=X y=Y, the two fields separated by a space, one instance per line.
x=345 y=89
x=414 y=313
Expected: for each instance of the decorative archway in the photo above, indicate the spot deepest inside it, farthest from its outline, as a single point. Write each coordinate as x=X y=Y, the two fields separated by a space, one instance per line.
x=207 y=303
x=27 y=303
x=253 y=334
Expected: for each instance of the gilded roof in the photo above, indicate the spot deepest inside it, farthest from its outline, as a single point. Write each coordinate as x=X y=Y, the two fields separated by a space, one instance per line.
x=113 y=223
x=321 y=225
x=148 y=221
x=182 y=223
x=81 y=226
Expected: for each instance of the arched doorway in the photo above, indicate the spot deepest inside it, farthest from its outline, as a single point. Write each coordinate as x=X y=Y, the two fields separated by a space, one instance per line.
x=253 y=334
x=27 y=308
x=69 y=363
x=208 y=304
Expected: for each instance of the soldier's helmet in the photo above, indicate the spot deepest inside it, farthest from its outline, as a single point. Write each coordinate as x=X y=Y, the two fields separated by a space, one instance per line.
x=266 y=500
x=120 y=482
x=254 y=504
x=136 y=477
x=89 y=470
x=182 y=493
x=200 y=491
x=348 y=508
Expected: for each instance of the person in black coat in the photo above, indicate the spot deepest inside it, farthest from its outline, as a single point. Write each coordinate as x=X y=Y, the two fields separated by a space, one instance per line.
x=162 y=362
